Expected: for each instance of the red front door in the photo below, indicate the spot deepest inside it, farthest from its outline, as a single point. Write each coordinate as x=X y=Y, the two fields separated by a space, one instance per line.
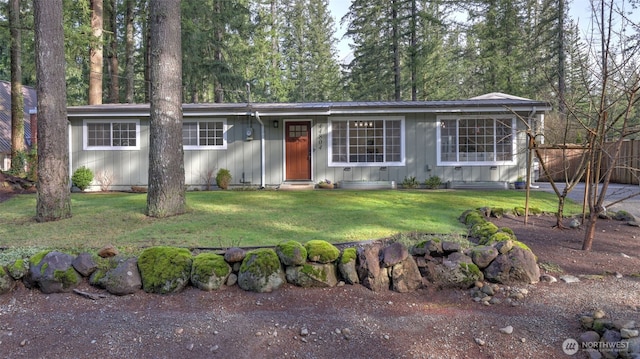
x=298 y=150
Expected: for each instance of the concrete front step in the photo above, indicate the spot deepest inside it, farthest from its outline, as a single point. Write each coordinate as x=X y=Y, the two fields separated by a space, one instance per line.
x=297 y=186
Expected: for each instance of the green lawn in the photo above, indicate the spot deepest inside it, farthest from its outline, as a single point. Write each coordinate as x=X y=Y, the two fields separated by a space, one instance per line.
x=252 y=218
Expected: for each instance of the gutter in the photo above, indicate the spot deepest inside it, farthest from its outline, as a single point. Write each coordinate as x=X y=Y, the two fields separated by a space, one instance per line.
x=263 y=161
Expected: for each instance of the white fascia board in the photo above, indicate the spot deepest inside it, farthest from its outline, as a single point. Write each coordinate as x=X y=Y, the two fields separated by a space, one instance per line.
x=361 y=111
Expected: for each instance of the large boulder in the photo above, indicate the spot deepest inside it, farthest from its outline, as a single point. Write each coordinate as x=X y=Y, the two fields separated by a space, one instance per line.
x=453 y=274
x=209 y=271
x=52 y=272
x=347 y=266
x=321 y=251
x=482 y=256
x=519 y=265
x=459 y=257
x=371 y=274
x=165 y=269
x=291 y=253
x=405 y=276
x=7 y=283
x=124 y=278
x=84 y=264
x=393 y=254
x=320 y=275
x=261 y=271
x=234 y=255
x=432 y=247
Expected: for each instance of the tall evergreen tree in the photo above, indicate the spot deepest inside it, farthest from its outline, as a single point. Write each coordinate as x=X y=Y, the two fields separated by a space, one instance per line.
x=17 y=100
x=309 y=52
x=166 y=196
x=96 y=52
x=371 y=73
x=54 y=200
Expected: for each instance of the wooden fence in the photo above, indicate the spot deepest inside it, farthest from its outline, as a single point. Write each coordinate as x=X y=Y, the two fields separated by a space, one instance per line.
x=561 y=161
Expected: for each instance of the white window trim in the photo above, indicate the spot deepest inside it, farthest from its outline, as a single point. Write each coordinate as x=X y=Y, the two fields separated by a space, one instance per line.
x=474 y=163
x=85 y=136
x=402 y=161
x=210 y=147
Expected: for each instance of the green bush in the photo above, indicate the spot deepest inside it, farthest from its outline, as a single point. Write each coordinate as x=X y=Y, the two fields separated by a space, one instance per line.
x=82 y=178
x=223 y=178
x=433 y=182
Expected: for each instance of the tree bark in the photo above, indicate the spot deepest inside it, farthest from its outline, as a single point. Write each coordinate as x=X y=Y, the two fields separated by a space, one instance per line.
x=95 y=53
x=166 y=194
x=396 y=51
x=114 y=84
x=54 y=200
x=129 y=49
x=17 y=100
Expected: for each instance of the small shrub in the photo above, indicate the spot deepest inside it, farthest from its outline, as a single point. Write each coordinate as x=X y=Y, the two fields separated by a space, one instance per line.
x=82 y=178
x=104 y=179
x=433 y=182
x=410 y=182
x=223 y=178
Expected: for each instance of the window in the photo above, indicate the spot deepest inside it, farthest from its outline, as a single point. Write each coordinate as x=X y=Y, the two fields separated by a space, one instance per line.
x=370 y=141
x=204 y=134
x=111 y=135
x=476 y=140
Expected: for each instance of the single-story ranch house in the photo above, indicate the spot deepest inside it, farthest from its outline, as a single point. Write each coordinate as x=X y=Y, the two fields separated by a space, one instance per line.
x=481 y=139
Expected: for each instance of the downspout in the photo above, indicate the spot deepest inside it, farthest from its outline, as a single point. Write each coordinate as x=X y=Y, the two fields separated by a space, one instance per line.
x=263 y=169
x=70 y=153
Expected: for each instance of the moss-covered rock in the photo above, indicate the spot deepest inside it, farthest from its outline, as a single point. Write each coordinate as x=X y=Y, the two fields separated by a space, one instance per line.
x=124 y=278
x=313 y=275
x=7 y=283
x=291 y=253
x=519 y=211
x=516 y=266
x=535 y=211
x=453 y=274
x=37 y=258
x=497 y=212
x=482 y=256
x=165 y=269
x=209 y=271
x=496 y=237
x=484 y=230
x=347 y=266
x=18 y=268
x=321 y=251
x=104 y=265
x=52 y=272
x=472 y=217
x=261 y=271
x=348 y=255
x=471 y=270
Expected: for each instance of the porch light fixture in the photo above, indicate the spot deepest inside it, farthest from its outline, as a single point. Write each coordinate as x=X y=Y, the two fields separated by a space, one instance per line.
x=275 y=124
